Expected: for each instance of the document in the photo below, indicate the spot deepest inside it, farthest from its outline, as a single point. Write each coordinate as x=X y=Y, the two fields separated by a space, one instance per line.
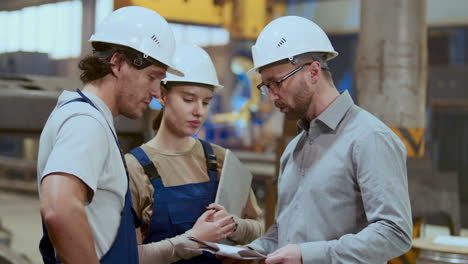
x=228 y=251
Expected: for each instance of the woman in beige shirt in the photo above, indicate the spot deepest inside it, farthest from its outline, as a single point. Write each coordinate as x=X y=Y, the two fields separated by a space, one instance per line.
x=174 y=177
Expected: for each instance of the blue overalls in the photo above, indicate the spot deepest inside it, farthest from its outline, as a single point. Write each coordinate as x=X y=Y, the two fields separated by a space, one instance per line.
x=177 y=208
x=124 y=248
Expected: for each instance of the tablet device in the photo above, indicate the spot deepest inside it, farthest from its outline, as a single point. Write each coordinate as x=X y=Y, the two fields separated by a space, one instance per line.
x=234 y=185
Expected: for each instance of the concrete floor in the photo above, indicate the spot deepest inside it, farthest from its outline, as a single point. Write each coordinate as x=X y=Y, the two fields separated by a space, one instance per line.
x=20 y=215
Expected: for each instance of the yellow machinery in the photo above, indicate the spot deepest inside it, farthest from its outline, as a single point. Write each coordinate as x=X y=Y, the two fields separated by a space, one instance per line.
x=243 y=18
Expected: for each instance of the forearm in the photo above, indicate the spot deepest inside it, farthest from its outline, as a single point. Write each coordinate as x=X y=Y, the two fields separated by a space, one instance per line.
x=247 y=230
x=268 y=243
x=168 y=250
x=63 y=212
x=377 y=243
x=69 y=230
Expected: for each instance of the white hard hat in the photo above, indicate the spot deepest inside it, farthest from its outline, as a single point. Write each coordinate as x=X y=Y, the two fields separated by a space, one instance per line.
x=141 y=29
x=196 y=65
x=286 y=37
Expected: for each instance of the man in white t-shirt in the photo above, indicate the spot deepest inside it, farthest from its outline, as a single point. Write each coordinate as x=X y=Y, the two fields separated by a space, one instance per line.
x=85 y=203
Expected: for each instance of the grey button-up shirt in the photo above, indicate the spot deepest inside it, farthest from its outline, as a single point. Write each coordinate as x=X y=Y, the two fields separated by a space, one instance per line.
x=342 y=190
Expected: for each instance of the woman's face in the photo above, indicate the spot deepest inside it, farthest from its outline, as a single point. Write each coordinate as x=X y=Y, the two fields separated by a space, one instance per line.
x=185 y=108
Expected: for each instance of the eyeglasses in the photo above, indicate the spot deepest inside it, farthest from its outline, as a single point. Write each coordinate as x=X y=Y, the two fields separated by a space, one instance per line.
x=275 y=85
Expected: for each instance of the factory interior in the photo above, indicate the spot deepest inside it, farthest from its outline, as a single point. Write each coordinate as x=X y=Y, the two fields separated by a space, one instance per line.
x=404 y=61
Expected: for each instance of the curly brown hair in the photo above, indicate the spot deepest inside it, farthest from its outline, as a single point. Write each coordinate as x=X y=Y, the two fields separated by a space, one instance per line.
x=98 y=65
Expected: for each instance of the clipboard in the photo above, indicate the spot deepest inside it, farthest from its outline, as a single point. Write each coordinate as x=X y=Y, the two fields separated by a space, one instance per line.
x=234 y=185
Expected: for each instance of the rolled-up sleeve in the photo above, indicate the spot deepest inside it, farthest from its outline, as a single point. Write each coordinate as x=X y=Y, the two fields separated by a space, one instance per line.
x=379 y=161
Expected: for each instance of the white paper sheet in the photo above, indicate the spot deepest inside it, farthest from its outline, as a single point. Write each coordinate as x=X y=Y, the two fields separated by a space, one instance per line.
x=228 y=251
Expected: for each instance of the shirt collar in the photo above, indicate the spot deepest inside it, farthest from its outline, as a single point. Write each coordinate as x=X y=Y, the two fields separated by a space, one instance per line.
x=331 y=116
x=336 y=111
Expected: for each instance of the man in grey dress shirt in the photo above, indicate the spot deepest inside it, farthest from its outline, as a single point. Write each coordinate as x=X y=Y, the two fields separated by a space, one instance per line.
x=342 y=187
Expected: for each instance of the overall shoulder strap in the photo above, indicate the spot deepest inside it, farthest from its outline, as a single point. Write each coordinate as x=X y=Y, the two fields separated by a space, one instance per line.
x=211 y=163
x=146 y=163
x=74 y=100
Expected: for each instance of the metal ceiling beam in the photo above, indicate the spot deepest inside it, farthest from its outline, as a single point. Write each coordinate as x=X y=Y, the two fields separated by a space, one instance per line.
x=24 y=112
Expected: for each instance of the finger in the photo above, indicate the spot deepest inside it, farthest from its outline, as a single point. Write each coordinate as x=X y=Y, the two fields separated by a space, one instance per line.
x=206 y=214
x=227 y=229
x=215 y=206
x=274 y=254
x=220 y=214
x=225 y=221
x=273 y=260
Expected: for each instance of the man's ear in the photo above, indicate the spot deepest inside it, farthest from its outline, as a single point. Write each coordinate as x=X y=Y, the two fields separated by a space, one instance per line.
x=116 y=63
x=162 y=99
x=314 y=71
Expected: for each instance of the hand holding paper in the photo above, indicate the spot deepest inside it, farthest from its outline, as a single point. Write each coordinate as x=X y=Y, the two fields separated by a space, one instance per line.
x=227 y=251
x=289 y=254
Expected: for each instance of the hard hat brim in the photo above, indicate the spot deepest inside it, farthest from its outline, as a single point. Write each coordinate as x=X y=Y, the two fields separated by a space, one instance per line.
x=171 y=69
x=216 y=86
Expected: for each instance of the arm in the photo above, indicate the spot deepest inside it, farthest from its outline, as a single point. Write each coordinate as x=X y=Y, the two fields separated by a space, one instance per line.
x=247 y=230
x=380 y=167
x=62 y=201
x=68 y=181
x=168 y=250
x=268 y=243
x=176 y=248
x=142 y=194
x=250 y=226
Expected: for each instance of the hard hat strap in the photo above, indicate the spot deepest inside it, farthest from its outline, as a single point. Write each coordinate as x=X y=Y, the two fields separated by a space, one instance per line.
x=104 y=54
x=315 y=56
x=133 y=57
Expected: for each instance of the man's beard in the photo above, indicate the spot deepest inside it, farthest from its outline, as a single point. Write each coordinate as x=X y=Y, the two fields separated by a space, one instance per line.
x=293 y=114
x=300 y=110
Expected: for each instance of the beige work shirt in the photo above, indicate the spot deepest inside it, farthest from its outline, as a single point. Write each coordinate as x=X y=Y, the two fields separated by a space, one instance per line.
x=179 y=168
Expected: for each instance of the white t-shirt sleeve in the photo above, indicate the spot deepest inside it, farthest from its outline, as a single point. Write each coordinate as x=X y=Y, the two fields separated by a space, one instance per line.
x=80 y=149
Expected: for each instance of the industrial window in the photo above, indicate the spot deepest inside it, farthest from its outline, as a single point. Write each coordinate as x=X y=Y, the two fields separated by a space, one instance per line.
x=56 y=29
x=52 y=28
x=200 y=35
